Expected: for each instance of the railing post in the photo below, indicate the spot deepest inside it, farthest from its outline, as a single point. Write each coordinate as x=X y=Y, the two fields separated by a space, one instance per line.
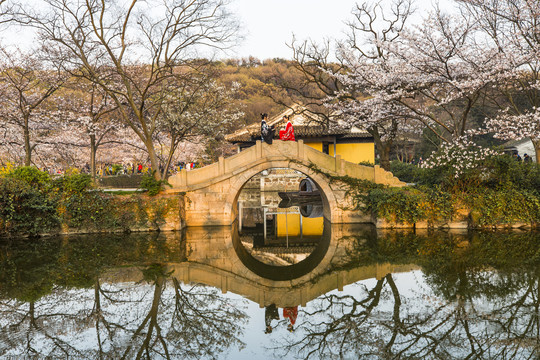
x=221 y=165
x=258 y=148
x=300 y=149
x=338 y=164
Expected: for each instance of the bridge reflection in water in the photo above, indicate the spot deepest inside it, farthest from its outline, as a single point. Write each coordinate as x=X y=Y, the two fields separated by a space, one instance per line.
x=217 y=258
x=354 y=291
x=145 y=296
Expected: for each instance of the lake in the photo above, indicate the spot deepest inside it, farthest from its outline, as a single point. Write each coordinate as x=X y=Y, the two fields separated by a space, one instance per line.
x=210 y=293
x=281 y=283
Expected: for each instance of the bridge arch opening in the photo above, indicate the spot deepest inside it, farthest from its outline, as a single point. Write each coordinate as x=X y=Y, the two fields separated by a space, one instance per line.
x=282 y=232
x=317 y=180
x=260 y=266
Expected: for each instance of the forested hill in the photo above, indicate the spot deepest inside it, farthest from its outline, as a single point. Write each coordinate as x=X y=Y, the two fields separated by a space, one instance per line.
x=265 y=86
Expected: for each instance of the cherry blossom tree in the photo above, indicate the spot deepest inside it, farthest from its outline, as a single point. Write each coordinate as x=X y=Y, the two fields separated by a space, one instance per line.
x=10 y=151
x=28 y=82
x=508 y=126
x=394 y=78
x=132 y=50
x=200 y=107
x=513 y=26
x=434 y=73
x=90 y=117
x=462 y=161
x=346 y=86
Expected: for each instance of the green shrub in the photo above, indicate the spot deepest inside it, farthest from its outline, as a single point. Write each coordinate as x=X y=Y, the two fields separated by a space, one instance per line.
x=31 y=175
x=32 y=203
x=74 y=184
x=438 y=205
x=504 y=206
x=488 y=207
x=399 y=205
x=150 y=184
x=496 y=172
x=89 y=210
x=411 y=173
x=24 y=209
x=366 y=163
x=506 y=172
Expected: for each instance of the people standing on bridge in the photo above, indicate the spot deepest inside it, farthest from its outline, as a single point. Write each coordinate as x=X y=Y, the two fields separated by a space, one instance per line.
x=288 y=133
x=270 y=313
x=267 y=132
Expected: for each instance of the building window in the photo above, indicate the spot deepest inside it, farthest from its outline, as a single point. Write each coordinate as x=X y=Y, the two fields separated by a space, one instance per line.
x=325 y=147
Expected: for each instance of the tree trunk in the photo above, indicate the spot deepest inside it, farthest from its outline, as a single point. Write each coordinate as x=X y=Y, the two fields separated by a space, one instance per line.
x=27 y=147
x=383 y=148
x=537 y=150
x=32 y=314
x=384 y=154
x=93 y=150
x=154 y=161
x=169 y=158
x=97 y=297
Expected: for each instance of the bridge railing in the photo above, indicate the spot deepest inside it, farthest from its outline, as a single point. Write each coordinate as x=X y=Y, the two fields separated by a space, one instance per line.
x=296 y=151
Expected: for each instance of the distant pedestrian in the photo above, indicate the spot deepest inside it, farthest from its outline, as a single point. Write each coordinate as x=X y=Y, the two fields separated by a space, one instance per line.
x=526 y=158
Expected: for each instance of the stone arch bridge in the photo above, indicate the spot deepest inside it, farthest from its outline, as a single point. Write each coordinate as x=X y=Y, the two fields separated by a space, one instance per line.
x=211 y=192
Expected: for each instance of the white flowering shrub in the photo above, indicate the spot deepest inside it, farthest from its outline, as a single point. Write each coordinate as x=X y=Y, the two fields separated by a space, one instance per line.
x=460 y=158
x=509 y=126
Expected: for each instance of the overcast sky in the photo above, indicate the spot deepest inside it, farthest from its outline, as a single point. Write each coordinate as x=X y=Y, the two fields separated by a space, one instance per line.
x=270 y=24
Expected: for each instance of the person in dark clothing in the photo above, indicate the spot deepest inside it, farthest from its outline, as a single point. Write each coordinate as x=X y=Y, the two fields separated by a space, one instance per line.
x=270 y=313
x=267 y=132
x=526 y=158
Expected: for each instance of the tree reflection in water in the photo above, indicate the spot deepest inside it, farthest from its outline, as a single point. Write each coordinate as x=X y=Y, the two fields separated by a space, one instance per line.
x=45 y=317
x=158 y=319
x=478 y=298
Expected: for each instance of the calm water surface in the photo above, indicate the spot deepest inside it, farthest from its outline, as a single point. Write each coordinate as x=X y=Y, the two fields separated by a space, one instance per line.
x=282 y=283
x=195 y=295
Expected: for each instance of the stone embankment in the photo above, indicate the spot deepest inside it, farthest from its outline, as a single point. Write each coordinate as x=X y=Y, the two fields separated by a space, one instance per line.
x=465 y=219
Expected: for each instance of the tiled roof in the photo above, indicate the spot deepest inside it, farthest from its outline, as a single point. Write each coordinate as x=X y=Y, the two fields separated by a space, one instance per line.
x=305 y=126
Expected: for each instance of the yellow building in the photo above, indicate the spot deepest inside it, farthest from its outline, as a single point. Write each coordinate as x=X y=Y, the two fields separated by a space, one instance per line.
x=297 y=225
x=353 y=144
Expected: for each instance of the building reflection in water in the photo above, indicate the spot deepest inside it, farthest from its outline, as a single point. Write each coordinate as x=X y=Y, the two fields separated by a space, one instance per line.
x=201 y=293
x=280 y=225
